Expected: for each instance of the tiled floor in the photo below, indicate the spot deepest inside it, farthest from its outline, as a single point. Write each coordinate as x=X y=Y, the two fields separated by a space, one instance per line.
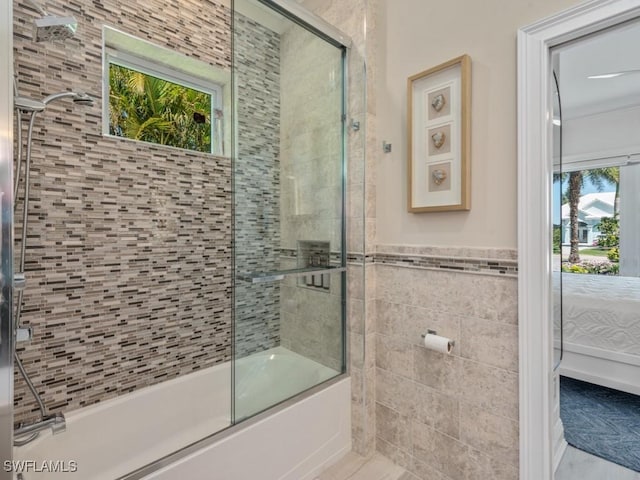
x=355 y=467
x=575 y=465
x=579 y=465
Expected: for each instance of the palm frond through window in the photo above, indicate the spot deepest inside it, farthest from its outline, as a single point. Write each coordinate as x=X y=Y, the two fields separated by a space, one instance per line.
x=151 y=109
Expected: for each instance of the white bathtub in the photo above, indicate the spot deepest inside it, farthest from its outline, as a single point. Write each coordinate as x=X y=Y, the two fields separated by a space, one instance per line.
x=111 y=439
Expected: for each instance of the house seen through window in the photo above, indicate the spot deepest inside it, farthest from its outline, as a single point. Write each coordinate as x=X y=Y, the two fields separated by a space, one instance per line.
x=587 y=220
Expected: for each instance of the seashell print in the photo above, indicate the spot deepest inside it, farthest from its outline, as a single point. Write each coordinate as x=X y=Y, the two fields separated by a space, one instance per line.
x=439 y=176
x=438 y=139
x=438 y=102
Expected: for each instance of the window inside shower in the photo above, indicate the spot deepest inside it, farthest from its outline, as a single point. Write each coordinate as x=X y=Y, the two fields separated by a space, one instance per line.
x=156 y=95
x=152 y=109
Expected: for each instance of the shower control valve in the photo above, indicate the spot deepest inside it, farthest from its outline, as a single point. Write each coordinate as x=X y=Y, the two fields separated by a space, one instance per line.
x=19 y=281
x=24 y=334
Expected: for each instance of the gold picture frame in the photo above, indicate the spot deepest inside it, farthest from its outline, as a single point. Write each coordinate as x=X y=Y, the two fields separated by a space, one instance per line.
x=439 y=129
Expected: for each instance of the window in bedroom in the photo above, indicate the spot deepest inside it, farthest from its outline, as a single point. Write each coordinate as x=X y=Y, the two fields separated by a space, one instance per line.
x=588 y=218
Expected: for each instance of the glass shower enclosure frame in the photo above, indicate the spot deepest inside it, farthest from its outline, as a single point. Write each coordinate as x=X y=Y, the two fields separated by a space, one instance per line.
x=6 y=236
x=319 y=263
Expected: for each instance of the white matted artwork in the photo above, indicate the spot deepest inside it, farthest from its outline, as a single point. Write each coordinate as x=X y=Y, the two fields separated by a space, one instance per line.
x=439 y=124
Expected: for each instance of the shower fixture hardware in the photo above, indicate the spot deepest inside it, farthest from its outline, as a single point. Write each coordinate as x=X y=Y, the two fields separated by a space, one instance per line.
x=263 y=277
x=30 y=109
x=52 y=27
x=26 y=105
x=19 y=281
x=355 y=126
x=56 y=423
x=314 y=254
x=24 y=334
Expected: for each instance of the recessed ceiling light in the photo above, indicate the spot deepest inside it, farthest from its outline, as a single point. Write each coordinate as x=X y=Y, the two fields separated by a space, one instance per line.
x=613 y=74
x=605 y=75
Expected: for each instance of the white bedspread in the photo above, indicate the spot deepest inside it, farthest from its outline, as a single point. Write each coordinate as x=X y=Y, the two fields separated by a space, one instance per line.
x=599 y=311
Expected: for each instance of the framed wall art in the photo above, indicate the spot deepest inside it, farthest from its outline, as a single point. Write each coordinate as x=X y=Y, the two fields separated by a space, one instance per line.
x=439 y=125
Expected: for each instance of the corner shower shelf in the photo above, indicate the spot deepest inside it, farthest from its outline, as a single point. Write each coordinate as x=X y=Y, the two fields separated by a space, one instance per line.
x=262 y=277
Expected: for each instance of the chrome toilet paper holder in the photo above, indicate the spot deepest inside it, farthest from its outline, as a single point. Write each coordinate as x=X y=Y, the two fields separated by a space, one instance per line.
x=433 y=332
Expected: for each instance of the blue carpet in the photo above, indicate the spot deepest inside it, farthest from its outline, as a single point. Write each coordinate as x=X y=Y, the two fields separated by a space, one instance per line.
x=601 y=421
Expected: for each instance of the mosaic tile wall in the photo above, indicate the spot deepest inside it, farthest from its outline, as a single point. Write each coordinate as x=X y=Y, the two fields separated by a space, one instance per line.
x=257 y=184
x=129 y=249
x=487 y=261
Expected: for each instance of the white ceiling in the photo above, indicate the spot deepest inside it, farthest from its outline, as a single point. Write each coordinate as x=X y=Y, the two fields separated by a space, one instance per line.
x=614 y=50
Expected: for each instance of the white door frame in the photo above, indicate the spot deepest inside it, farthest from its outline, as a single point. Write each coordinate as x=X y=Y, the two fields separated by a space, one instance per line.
x=534 y=218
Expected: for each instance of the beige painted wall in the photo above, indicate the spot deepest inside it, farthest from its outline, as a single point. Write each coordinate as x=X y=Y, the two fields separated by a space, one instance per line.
x=416 y=35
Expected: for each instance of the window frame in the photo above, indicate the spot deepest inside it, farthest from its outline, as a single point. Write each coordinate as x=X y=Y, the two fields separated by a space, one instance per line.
x=164 y=72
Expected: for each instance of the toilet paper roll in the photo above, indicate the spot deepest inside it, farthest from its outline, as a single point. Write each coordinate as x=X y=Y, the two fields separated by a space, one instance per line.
x=438 y=343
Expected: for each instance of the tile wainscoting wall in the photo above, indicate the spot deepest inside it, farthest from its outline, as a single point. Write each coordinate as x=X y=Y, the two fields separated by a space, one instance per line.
x=447 y=417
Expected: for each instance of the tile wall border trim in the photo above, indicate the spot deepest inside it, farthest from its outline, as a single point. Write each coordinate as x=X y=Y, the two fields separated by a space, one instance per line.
x=478 y=261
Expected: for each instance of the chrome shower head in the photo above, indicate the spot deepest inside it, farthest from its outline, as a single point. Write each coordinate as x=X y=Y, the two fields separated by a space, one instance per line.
x=51 y=27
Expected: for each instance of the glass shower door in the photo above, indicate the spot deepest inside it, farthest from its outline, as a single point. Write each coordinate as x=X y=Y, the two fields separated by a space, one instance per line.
x=556 y=214
x=288 y=184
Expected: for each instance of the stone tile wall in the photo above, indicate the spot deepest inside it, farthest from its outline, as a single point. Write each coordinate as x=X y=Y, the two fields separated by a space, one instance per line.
x=448 y=417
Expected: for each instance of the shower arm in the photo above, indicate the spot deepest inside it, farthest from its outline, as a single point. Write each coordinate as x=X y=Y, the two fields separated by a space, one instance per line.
x=37 y=7
x=57 y=96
